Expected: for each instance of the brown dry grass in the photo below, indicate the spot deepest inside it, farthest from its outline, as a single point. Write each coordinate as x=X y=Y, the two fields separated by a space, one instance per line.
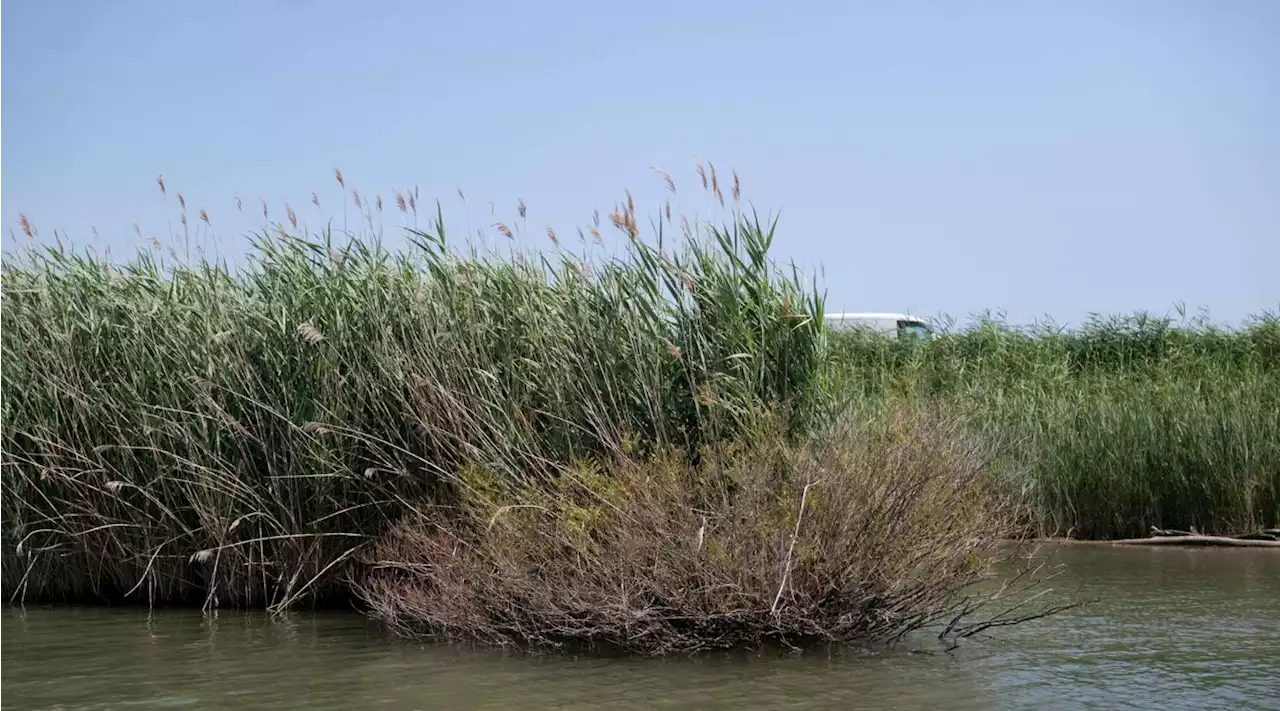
x=865 y=535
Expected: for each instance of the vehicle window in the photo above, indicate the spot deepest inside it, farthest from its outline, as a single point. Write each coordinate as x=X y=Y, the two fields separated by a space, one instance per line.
x=912 y=329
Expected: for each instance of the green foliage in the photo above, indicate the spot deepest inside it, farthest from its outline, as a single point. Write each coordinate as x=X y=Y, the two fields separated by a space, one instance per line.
x=1121 y=425
x=180 y=430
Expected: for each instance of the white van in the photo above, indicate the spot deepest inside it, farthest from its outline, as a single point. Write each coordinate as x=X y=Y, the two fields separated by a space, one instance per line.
x=892 y=325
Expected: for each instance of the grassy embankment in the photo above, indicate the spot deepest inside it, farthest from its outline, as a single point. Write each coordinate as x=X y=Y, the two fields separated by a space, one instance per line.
x=1114 y=427
x=191 y=429
x=656 y=452
x=615 y=453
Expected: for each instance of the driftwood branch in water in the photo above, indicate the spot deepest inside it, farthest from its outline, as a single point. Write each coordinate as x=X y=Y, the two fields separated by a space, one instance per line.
x=1172 y=532
x=1197 y=540
x=1259 y=536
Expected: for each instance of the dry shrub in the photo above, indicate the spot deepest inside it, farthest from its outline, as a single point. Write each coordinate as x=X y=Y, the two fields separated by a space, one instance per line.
x=861 y=536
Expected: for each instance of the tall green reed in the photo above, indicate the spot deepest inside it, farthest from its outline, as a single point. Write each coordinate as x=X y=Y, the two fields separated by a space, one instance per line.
x=181 y=431
x=1123 y=424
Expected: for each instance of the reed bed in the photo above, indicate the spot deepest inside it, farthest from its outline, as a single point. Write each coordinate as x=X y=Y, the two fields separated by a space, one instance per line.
x=660 y=451
x=1123 y=424
x=178 y=431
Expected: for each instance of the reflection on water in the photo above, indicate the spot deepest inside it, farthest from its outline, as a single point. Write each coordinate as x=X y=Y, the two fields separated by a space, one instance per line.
x=1186 y=629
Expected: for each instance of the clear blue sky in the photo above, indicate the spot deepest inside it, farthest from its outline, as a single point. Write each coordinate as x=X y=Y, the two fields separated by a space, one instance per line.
x=1039 y=157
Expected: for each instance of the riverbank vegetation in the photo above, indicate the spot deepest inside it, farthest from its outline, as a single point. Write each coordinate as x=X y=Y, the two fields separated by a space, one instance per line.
x=176 y=430
x=1123 y=424
x=863 y=536
x=659 y=451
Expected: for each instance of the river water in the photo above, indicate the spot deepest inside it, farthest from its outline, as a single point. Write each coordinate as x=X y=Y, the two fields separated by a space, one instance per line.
x=1175 y=629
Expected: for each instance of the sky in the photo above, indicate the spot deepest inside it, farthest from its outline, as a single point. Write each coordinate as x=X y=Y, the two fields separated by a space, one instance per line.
x=1041 y=159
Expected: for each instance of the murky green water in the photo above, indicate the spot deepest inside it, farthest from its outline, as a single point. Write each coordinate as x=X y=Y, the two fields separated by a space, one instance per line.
x=1178 y=629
